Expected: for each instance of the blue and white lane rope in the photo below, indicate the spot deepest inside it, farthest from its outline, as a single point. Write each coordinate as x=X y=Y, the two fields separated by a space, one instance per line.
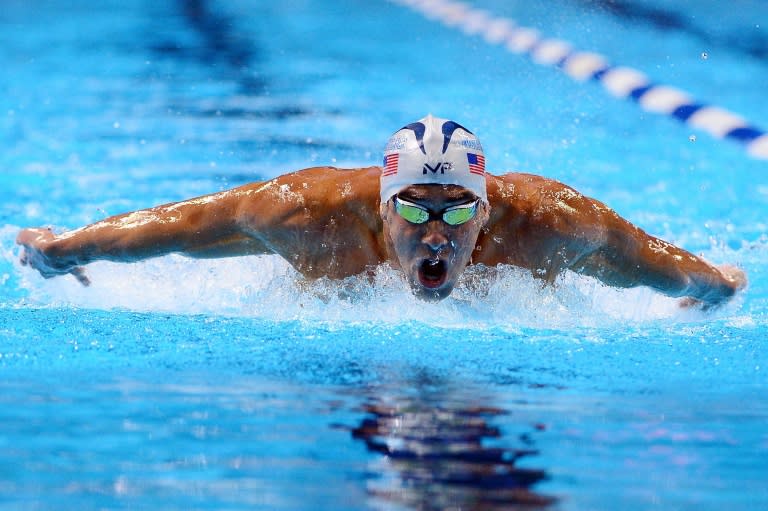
x=622 y=82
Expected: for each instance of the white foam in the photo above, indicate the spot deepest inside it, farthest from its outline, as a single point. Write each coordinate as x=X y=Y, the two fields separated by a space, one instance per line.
x=266 y=286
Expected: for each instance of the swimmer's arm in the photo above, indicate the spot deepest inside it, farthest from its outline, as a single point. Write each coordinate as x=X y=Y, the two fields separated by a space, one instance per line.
x=629 y=257
x=204 y=227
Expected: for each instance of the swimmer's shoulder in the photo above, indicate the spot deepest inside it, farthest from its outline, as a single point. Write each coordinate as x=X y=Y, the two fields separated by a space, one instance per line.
x=346 y=194
x=521 y=179
x=547 y=202
x=332 y=186
x=523 y=195
x=324 y=184
x=313 y=195
x=317 y=175
x=515 y=186
x=523 y=185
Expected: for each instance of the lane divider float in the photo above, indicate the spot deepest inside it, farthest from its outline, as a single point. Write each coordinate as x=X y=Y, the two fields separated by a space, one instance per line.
x=620 y=81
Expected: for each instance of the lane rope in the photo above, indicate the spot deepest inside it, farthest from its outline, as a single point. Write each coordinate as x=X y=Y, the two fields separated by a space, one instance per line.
x=582 y=66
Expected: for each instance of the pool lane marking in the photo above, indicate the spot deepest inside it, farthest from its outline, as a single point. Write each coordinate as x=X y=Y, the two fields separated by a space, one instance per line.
x=622 y=82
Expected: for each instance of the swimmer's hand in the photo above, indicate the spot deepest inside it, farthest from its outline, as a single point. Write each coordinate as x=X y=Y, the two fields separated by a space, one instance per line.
x=735 y=278
x=36 y=253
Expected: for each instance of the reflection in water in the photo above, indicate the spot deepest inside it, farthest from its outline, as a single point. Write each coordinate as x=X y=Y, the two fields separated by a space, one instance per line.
x=435 y=458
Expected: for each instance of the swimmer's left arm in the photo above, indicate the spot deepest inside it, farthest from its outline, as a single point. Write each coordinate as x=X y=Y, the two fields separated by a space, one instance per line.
x=629 y=257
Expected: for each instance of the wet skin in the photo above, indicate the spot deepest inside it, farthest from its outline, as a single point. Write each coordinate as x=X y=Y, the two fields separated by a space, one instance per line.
x=329 y=222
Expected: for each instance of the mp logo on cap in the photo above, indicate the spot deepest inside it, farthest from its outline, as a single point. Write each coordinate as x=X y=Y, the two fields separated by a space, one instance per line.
x=440 y=167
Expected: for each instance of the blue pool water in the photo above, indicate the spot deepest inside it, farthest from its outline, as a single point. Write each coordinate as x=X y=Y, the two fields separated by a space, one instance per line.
x=183 y=384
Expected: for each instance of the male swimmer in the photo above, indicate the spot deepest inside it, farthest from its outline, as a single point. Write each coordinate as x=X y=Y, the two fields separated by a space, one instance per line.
x=430 y=211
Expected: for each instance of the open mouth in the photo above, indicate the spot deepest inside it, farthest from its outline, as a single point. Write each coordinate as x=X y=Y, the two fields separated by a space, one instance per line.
x=432 y=273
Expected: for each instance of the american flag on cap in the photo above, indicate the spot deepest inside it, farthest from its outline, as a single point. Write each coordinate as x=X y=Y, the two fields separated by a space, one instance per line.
x=476 y=163
x=390 y=164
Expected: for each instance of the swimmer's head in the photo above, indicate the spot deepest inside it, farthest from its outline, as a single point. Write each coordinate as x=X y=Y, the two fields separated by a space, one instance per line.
x=433 y=151
x=431 y=233
x=433 y=203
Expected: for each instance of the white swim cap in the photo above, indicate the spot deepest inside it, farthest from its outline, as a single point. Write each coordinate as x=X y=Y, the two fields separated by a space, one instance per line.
x=433 y=151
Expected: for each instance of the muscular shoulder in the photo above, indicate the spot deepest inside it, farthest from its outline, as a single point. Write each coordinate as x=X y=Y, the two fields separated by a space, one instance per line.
x=537 y=222
x=313 y=193
x=538 y=195
x=316 y=184
x=545 y=203
x=524 y=186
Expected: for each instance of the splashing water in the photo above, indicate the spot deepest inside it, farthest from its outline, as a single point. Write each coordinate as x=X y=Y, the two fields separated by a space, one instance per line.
x=267 y=286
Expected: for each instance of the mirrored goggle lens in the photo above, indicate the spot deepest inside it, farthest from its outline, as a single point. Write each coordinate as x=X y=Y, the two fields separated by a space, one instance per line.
x=418 y=215
x=413 y=214
x=460 y=215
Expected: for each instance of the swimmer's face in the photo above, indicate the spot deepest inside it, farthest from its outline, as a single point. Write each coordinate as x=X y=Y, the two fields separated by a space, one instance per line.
x=433 y=254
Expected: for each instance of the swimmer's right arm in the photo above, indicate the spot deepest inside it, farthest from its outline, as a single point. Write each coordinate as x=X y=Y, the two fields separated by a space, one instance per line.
x=204 y=227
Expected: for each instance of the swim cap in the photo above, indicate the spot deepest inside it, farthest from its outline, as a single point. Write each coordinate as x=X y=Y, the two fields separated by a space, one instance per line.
x=433 y=151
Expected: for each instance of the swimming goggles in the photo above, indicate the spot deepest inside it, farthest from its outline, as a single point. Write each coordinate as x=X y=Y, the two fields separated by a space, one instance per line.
x=416 y=214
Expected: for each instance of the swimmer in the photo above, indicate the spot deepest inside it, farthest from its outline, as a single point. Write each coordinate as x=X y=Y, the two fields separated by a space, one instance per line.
x=429 y=211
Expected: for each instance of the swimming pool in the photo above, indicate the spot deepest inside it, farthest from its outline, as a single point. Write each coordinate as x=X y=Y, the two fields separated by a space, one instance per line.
x=179 y=384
